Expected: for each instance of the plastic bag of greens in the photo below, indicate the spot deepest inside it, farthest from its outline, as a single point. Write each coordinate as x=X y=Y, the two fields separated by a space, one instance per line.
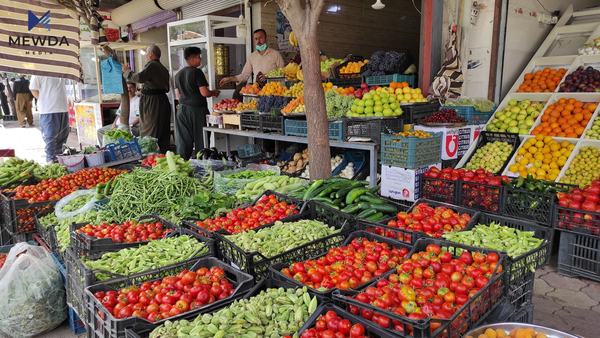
x=77 y=202
x=148 y=144
x=33 y=294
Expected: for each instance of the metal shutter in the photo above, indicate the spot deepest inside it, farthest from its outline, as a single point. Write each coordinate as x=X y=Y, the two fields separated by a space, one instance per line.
x=206 y=7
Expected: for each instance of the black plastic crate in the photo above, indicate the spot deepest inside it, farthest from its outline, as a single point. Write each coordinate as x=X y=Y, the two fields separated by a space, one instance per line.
x=349 y=82
x=250 y=121
x=48 y=234
x=480 y=196
x=91 y=247
x=410 y=236
x=372 y=127
x=275 y=269
x=258 y=265
x=577 y=221
x=272 y=123
x=18 y=215
x=80 y=277
x=523 y=315
x=255 y=290
x=486 y=137
x=439 y=189
x=103 y=324
x=532 y=205
x=579 y=255
x=468 y=316
x=191 y=223
x=520 y=268
x=371 y=330
x=417 y=111
x=520 y=292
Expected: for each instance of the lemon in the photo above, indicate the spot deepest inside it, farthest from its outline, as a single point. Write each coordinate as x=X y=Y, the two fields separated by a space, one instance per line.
x=514 y=168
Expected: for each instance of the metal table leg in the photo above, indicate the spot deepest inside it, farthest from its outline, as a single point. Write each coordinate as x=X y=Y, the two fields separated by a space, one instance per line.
x=205 y=138
x=373 y=165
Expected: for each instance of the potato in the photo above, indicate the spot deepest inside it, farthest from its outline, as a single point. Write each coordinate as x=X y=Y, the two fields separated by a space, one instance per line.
x=305 y=156
x=292 y=169
x=297 y=156
x=300 y=164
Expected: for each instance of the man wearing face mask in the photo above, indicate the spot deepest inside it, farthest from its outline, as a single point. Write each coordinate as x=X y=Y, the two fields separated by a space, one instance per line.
x=191 y=89
x=260 y=62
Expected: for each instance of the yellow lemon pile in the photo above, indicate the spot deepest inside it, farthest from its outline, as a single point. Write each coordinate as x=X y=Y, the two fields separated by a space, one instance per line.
x=541 y=157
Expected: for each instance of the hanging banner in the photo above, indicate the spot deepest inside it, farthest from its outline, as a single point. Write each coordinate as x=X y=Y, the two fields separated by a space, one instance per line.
x=283 y=33
x=39 y=38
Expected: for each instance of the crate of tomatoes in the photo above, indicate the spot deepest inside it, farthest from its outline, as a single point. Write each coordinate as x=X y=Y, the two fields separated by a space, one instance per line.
x=89 y=240
x=425 y=218
x=578 y=210
x=333 y=271
x=20 y=206
x=266 y=209
x=443 y=290
x=329 y=319
x=143 y=301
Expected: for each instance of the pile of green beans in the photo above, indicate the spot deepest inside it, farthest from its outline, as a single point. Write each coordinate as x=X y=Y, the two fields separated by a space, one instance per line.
x=143 y=192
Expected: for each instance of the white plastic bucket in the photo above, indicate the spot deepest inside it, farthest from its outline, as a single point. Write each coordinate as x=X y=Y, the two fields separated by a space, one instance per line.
x=72 y=162
x=95 y=159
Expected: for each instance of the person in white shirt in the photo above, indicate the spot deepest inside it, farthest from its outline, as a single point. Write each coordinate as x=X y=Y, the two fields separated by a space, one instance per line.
x=51 y=94
x=134 y=114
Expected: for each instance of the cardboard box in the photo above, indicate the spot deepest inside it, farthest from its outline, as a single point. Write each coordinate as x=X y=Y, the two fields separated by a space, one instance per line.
x=455 y=141
x=403 y=184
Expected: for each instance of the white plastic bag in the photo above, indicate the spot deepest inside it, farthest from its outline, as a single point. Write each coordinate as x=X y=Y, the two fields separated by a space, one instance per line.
x=33 y=294
x=89 y=205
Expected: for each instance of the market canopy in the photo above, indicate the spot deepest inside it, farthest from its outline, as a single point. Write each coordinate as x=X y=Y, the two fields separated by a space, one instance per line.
x=39 y=37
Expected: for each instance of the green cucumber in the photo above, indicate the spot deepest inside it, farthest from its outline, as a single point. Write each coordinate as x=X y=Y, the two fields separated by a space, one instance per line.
x=354 y=194
x=376 y=217
x=343 y=192
x=352 y=208
x=369 y=199
x=387 y=208
x=366 y=213
x=310 y=192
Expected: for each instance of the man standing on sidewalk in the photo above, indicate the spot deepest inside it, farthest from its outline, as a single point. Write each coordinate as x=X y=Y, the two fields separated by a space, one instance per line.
x=192 y=91
x=23 y=98
x=51 y=94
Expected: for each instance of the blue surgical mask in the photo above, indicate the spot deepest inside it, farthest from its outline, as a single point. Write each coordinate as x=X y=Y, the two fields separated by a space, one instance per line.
x=261 y=48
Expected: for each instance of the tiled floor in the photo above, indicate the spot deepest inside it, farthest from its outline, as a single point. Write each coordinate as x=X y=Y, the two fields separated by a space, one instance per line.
x=567 y=304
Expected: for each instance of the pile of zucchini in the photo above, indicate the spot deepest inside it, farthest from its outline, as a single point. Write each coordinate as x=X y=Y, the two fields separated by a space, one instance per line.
x=352 y=197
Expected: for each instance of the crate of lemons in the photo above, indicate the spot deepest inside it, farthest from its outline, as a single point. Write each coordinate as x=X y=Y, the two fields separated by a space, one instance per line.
x=542 y=157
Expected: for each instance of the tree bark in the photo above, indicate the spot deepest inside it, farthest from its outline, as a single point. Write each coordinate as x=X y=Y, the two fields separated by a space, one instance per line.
x=304 y=21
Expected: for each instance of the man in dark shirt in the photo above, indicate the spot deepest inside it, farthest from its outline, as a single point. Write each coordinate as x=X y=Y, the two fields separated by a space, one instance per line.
x=3 y=100
x=22 y=96
x=155 y=108
x=191 y=91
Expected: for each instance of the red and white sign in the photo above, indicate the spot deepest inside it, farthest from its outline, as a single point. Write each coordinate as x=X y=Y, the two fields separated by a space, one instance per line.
x=455 y=141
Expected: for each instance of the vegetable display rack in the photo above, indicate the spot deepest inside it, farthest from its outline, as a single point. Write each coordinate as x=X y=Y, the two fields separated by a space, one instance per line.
x=486 y=137
x=417 y=111
x=410 y=236
x=80 y=277
x=519 y=267
x=190 y=224
x=371 y=329
x=91 y=247
x=536 y=205
x=250 y=121
x=579 y=255
x=410 y=152
x=439 y=189
x=468 y=316
x=480 y=196
x=371 y=128
x=102 y=323
x=19 y=215
x=294 y=127
x=275 y=269
x=257 y=264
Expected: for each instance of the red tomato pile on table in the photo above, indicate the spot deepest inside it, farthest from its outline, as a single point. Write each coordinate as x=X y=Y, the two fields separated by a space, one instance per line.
x=432 y=283
x=267 y=210
x=168 y=297
x=55 y=189
x=2 y=259
x=348 y=266
x=127 y=232
x=588 y=201
x=476 y=190
x=433 y=221
x=331 y=325
x=150 y=160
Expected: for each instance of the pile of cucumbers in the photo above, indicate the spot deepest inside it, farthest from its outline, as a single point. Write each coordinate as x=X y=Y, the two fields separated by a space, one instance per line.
x=351 y=197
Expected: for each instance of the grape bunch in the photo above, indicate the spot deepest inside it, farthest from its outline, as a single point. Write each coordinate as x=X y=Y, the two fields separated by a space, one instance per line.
x=268 y=103
x=390 y=62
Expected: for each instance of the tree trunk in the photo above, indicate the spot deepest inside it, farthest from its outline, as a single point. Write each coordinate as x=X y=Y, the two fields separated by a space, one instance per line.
x=304 y=21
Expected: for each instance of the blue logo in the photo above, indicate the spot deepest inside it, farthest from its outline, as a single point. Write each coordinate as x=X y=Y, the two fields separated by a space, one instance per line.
x=34 y=21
